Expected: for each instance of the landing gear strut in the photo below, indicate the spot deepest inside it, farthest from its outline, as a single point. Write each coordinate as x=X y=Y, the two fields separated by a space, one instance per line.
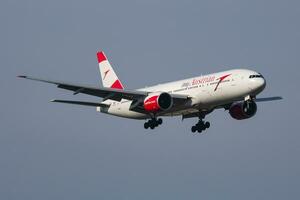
x=200 y=126
x=152 y=123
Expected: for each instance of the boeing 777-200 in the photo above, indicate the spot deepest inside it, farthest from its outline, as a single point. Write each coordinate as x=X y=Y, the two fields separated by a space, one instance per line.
x=234 y=90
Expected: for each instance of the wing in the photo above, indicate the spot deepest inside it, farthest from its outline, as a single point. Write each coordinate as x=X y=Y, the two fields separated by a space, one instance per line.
x=258 y=100
x=106 y=93
x=227 y=106
x=268 y=99
x=83 y=103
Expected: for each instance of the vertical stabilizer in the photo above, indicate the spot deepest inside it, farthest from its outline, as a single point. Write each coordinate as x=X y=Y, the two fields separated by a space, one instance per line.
x=108 y=75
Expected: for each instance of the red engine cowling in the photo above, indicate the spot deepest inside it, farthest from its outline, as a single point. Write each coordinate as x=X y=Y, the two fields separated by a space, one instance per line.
x=158 y=102
x=243 y=110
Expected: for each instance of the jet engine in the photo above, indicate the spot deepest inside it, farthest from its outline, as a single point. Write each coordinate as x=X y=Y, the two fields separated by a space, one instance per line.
x=243 y=110
x=156 y=102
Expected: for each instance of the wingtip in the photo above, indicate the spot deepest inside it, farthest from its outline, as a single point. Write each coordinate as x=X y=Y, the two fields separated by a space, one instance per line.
x=278 y=98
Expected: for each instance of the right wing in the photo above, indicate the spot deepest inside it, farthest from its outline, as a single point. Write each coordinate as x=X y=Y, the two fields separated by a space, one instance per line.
x=136 y=96
x=106 y=93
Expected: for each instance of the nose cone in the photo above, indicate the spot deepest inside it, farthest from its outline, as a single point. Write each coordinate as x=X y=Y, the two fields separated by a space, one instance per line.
x=262 y=83
x=259 y=84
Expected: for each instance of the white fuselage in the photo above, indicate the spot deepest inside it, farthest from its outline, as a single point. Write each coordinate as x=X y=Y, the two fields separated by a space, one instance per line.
x=206 y=93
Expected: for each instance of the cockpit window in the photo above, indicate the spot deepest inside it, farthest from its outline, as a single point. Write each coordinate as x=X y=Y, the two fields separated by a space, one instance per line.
x=256 y=76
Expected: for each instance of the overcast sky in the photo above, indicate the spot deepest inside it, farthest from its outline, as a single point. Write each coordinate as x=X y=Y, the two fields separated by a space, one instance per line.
x=52 y=151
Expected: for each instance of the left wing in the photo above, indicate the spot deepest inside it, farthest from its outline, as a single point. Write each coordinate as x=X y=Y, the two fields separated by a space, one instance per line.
x=227 y=106
x=268 y=99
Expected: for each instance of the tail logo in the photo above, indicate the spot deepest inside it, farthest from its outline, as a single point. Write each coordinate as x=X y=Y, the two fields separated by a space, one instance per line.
x=105 y=74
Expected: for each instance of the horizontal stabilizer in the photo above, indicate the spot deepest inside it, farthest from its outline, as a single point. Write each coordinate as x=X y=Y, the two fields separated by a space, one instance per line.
x=268 y=99
x=83 y=103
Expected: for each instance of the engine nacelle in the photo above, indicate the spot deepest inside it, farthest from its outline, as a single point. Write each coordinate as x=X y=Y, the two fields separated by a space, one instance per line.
x=156 y=102
x=243 y=110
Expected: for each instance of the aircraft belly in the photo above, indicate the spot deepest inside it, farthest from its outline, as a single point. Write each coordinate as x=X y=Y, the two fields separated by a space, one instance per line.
x=122 y=110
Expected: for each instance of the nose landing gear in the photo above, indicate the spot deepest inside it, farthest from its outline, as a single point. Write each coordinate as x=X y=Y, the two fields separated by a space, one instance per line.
x=152 y=123
x=200 y=126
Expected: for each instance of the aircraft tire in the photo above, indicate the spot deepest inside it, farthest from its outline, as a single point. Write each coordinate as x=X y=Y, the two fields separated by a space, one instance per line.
x=207 y=124
x=159 y=121
x=146 y=125
x=193 y=129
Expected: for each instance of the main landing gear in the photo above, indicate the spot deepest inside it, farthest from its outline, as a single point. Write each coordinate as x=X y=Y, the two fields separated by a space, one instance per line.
x=152 y=123
x=200 y=126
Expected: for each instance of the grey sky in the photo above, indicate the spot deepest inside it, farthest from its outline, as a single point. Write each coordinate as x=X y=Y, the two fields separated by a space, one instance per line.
x=52 y=151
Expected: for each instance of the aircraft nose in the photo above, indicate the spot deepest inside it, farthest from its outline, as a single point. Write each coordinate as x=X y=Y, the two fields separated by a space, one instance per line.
x=257 y=83
x=260 y=83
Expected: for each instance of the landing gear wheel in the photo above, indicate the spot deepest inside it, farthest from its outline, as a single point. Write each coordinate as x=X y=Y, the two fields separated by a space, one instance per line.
x=194 y=129
x=152 y=123
x=207 y=124
x=152 y=126
x=159 y=121
x=200 y=126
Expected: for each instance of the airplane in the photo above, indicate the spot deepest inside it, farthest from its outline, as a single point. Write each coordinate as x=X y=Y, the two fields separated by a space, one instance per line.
x=233 y=90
